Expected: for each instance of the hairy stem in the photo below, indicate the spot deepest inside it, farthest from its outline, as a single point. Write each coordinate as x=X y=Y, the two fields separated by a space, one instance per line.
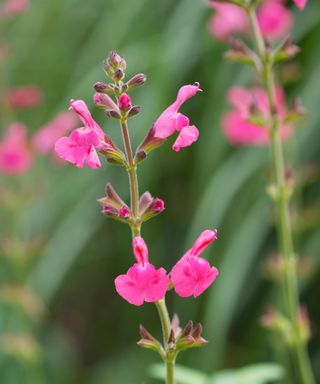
x=289 y=283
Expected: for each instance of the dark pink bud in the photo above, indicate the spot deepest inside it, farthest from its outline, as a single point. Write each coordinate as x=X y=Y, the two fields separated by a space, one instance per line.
x=124 y=212
x=103 y=88
x=158 y=205
x=137 y=80
x=125 y=102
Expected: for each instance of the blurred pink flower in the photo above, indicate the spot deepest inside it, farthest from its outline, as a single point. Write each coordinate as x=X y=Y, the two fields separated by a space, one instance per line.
x=300 y=3
x=24 y=97
x=236 y=127
x=192 y=274
x=15 y=156
x=143 y=282
x=43 y=141
x=227 y=20
x=274 y=18
x=171 y=120
x=80 y=146
x=14 y=7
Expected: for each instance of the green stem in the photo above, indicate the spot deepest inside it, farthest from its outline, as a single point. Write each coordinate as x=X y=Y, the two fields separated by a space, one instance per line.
x=136 y=229
x=170 y=372
x=165 y=320
x=166 y=329
x=290 y=286
x=133 y=179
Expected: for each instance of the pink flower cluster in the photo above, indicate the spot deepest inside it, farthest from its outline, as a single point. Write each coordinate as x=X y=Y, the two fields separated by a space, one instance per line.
x=81 y=146
x=274 y=18
x=236 y=124
x=191 y=275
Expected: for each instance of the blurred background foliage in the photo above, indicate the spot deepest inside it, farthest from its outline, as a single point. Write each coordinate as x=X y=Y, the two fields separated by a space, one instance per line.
x=88 y=334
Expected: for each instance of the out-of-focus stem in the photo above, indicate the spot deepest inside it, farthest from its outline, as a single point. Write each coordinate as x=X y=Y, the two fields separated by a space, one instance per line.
x=290 y=286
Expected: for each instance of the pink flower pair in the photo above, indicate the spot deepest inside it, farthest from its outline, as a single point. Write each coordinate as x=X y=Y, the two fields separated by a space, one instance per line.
x=236 y=124
x=274 y=18
x=191 y=276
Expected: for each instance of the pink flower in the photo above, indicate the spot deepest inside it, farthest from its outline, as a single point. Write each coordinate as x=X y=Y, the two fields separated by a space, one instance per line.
x=80 y=146
x=274 y=18
x=227 y=20
x=236 y=127
x=143 y=282
x=192 y=274
x=171 y=120
x=24 y=97
x=14 y=7
x=43 y=141
x=300 y=3
x=15 y=156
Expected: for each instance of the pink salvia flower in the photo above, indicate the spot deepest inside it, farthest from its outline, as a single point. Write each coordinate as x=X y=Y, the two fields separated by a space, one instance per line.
x=192 y=274
x=143 y=282
x=15 y=156
x=14 y=7
x=43 y=141
x=236 y=127
x=274 y=18
x=80 y=146
x=171 y=120
x=227 y=20
x=24 y=97
x=300 y=3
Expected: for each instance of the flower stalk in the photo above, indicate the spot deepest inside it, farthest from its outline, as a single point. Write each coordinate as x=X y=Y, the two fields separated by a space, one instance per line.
x=282 y=200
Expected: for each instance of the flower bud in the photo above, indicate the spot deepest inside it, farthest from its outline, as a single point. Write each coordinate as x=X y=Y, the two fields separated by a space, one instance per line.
x=150 y=207
x=125 y=212
x=118 y=75
x=113 y=113
x=136 y=81
x=125 y=102
x=116 y=61
x=149 y=342
x=105 y=102
x=103 y=88
x=134 y=110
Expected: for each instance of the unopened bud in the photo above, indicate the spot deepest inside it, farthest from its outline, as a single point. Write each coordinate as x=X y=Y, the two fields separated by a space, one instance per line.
x=239 y=52
x=125 y=212
x=125 y=102
x=136 y=81
x=149 y=207
x=103 y=88
x=149 y=342
x=105 y=102
x=118 y=75
x=134 y=111
x=114 y=114
x=116 y=61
